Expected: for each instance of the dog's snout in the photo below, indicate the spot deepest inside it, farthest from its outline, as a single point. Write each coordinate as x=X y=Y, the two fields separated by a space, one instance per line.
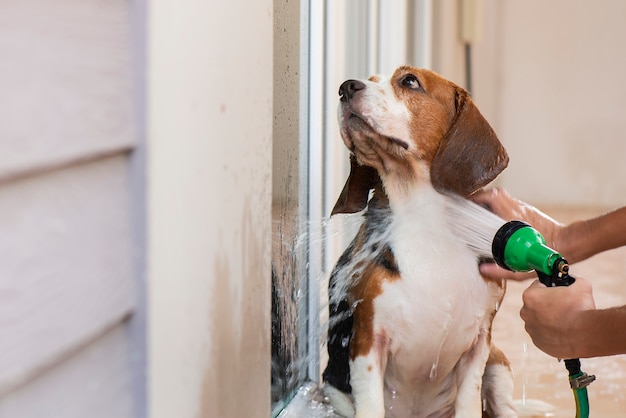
x=348 y=89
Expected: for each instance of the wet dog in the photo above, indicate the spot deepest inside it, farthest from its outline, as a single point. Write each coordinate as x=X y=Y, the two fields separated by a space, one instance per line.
x=410 y=315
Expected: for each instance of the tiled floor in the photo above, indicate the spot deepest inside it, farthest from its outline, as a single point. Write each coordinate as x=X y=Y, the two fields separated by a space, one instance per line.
x=540 y=377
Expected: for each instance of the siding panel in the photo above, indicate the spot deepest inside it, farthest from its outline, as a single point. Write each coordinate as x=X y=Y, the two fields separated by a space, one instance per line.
x=65 y=78
x=65 y=264
x=81 y=386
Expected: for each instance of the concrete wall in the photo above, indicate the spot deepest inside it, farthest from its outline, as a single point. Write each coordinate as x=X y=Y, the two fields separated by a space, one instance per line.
x=210 y=87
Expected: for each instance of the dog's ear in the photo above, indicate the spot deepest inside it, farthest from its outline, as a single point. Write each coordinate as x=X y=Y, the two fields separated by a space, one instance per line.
x=353 y=197
x=471 y=155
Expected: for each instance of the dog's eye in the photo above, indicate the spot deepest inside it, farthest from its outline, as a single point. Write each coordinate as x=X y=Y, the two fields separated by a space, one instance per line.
x=411 y=82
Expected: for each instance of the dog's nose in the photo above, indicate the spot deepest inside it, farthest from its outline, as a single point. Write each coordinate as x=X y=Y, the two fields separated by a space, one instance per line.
x=349 y=88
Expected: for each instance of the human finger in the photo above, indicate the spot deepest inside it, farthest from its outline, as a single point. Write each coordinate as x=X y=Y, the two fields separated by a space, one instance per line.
x=494 y=272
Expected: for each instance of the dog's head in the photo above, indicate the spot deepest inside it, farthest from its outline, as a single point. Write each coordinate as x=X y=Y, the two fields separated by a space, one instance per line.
x=415 y=126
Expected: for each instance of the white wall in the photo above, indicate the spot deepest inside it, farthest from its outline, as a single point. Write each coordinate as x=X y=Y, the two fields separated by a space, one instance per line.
x=552 y=84
x=210 y=150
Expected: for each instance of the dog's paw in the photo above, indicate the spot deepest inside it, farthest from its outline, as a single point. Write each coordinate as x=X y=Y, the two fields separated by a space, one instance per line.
x=341 y=402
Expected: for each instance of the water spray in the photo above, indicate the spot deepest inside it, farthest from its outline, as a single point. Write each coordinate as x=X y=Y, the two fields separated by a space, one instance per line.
x=517 y=246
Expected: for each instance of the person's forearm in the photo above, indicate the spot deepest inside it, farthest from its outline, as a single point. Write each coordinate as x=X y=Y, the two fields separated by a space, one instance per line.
x=583 y=239
x=600 y=332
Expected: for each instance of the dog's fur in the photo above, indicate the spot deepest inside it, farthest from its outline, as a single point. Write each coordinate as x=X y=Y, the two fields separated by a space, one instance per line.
x=410 y=327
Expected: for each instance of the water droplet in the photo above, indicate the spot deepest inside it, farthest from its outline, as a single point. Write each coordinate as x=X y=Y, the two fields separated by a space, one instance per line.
x=433 y=372
x=389 y=405
x=345 y=341
x=356 y=303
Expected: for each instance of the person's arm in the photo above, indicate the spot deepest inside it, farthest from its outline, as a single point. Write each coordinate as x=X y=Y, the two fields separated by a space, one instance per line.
x=500 y=202
x=583 y=239
x=564 y=323
x=575 y=241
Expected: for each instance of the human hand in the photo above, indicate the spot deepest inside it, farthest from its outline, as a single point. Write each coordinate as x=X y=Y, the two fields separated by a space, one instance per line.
x=500 y=202
x=553 y=317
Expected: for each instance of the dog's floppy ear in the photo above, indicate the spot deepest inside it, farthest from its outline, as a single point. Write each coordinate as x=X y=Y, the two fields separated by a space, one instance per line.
x=470 y=156
x=353 y=197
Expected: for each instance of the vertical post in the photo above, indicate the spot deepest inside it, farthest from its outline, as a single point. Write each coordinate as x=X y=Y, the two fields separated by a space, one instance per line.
x=209 y=130
x=315 y=118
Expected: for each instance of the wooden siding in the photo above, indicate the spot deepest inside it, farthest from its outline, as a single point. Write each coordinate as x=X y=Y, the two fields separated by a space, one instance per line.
x=66 y=237
x=64 y=262
x=80 y=386
x=66 y=80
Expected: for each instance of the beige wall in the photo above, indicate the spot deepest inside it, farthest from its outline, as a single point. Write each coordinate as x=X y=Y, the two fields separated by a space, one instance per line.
x=550 y=77
x=210 y=140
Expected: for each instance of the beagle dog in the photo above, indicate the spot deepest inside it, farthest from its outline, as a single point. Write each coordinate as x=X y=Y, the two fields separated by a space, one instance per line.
x=410 y=315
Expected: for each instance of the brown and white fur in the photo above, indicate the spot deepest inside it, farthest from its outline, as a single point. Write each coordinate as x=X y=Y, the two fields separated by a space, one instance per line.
x=410 y=330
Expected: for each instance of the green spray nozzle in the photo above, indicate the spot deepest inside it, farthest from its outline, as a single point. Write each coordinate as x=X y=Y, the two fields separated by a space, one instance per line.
x=519 y=247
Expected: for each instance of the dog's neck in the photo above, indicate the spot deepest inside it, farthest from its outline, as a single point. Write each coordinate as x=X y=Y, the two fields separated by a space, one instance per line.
x=402 y=192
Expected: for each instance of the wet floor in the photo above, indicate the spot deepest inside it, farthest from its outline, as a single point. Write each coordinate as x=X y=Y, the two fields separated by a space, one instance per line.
x=539 y=377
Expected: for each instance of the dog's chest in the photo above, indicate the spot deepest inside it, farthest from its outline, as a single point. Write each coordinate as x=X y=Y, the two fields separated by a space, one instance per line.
x=440 y=301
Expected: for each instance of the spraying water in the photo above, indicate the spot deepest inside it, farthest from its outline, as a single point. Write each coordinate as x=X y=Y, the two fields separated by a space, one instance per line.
x=474 y=225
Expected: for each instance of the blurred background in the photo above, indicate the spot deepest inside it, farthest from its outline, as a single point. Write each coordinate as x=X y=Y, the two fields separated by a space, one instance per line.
x=167 y=170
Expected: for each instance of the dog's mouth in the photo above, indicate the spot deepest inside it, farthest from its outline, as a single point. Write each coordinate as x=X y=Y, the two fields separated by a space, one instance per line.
x=354 y=125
